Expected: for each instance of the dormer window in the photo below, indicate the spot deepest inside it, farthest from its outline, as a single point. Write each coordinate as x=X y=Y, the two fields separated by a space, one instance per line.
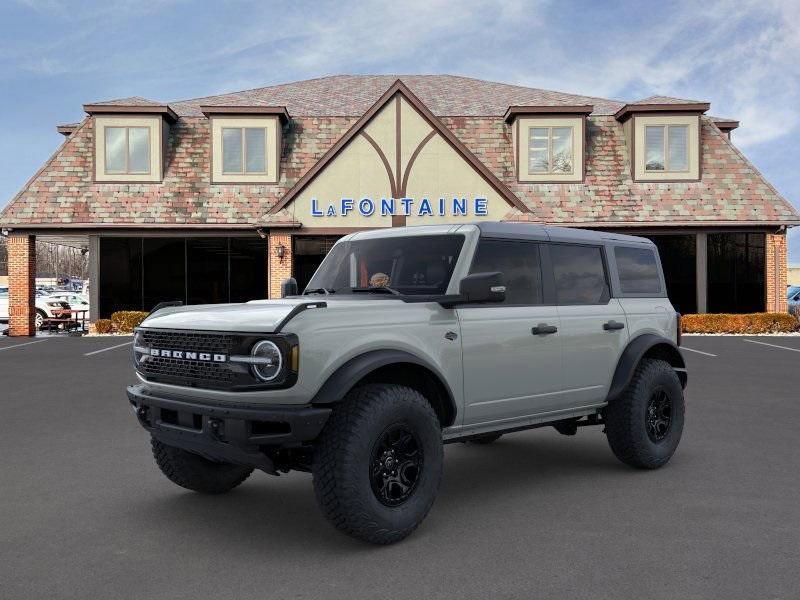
x=663 y=138
x=549 y=142
x=245 y=143
x=666 y=148
x=244 y=150
x=127 y=150
x=129 y=140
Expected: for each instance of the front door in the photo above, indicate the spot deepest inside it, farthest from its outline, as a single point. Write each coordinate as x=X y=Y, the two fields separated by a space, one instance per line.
x=511 y=351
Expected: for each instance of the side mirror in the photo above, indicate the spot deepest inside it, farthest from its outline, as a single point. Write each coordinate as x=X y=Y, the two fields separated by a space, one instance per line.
x=289 y=287
x=482 y=287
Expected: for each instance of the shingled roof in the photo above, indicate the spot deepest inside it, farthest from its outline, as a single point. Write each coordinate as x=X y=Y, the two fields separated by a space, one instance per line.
x=352 y=95
x=731 y=191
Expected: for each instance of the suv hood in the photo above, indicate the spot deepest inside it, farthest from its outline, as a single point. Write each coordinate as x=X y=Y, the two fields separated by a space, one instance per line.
x=262 y=316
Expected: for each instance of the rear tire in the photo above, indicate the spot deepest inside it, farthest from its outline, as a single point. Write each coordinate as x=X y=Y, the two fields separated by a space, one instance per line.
x=193 y=472
x=644 y=425
x=378 y=463
x=39 y=318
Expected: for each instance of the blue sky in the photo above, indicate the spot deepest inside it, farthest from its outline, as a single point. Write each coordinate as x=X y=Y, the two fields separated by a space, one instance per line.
x=56 y=55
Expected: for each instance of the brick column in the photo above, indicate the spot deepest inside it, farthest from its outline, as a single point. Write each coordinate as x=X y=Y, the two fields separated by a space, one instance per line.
x=775 y=272
x=279 y=269
x=21 y=284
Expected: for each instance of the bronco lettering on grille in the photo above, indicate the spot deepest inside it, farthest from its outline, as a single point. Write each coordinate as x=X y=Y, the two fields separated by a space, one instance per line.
x=186 y=355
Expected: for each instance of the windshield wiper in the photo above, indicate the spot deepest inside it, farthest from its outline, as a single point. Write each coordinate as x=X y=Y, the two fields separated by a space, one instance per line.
x=322 y=290
x=375 y=290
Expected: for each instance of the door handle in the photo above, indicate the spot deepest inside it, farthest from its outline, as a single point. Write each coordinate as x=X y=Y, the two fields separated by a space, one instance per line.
x=612 y=325
x=544 y=329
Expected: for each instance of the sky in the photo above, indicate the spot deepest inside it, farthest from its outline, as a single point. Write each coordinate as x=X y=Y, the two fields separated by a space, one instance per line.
x=742 y=56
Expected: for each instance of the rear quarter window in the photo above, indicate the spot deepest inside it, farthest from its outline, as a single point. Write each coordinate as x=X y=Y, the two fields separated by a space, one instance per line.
x=638 y=270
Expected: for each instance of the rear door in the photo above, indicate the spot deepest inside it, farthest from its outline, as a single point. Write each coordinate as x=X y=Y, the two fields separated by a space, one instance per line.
x=593 y=325
x=511 y=351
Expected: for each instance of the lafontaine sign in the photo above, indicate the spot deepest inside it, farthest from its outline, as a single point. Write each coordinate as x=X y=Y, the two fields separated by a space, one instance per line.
x=422 y=207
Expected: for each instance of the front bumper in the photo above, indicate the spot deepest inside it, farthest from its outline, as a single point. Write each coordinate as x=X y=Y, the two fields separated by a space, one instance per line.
x=241 y=435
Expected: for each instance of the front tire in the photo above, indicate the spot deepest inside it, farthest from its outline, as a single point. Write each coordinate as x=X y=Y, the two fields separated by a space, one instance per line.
x=378 y=463
x=193 y=472
x=39 y=318
x=644 y=425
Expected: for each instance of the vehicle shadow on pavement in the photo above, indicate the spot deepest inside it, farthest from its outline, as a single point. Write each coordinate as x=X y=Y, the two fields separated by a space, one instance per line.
x=265 y=512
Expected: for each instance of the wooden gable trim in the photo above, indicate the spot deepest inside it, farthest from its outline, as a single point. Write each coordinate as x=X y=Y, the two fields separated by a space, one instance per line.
x=398 y=87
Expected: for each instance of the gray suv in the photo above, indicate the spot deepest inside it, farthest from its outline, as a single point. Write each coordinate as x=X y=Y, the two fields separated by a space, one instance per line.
x=407 y=339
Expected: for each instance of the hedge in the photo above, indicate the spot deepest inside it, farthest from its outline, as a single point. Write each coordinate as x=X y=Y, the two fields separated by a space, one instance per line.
x=124 y=321
x=748 y=324
x=103 y=326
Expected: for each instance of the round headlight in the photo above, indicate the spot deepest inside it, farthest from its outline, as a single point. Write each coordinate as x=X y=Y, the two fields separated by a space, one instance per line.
x=268 y=361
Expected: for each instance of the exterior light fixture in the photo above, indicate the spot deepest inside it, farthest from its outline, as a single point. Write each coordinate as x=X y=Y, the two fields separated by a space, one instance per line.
x=280 y=252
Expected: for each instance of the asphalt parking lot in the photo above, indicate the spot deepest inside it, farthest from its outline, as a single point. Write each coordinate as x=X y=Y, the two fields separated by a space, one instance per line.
x=84 y=513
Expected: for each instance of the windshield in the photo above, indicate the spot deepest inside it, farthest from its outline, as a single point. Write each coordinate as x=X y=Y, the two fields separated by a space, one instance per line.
x=408 y=265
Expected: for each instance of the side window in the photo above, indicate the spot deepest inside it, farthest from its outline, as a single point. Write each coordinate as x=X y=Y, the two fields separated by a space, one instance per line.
x=638 y=270
x=519 y=263
x=580 y=276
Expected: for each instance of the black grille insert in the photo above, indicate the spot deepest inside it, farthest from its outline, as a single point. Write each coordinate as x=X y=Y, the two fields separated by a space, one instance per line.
x=202 y=373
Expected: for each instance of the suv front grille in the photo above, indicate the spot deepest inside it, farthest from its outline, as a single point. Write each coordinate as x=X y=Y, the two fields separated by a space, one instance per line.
x=189 y=372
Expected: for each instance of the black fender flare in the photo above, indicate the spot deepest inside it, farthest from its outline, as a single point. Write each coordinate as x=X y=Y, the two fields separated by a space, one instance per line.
x=645 y=344
x=354 y=370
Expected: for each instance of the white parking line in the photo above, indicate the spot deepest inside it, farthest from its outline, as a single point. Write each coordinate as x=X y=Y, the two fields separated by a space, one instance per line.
x=771 y=345
x=109 y=348
x=698 y=351
x=20 y=345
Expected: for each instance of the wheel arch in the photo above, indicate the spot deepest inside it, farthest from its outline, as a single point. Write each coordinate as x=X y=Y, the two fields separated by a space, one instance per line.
x=391 y=366
x=645 y=346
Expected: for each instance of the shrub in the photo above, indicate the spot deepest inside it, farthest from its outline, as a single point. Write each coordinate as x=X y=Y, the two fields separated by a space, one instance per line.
x=751 y=324
x=103 y=326
x=125 y=320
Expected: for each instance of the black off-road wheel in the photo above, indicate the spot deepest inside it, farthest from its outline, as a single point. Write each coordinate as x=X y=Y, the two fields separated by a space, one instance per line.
x=644 y=425
x=196 y=473
x=378 y=463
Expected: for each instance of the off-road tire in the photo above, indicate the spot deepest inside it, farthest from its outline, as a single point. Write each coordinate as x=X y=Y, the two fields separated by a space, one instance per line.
x=196 y=473
x=626 y=417
x=344 y=459
x=482 y=440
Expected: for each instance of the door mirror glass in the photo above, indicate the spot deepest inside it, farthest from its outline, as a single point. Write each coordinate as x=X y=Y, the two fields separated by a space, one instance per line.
x=482 y=287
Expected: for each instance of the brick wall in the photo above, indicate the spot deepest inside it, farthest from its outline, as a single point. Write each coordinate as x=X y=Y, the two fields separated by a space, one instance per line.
x=776 y=273
x=21 y=284
x=279 y=269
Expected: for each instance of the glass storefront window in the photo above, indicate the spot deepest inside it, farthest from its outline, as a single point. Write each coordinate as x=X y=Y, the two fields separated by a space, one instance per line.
x=736 y=272
x=138 y=273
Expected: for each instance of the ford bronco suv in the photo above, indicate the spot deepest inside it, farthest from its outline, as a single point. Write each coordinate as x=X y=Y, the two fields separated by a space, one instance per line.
x=406 y=339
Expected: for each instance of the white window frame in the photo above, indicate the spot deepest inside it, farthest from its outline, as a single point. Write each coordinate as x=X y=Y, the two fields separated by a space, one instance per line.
x=127 y=129
x=244 y=171
x=665 y=148
x=158 y=132
x=550 y=170
x=521 y=138
x=272 y=133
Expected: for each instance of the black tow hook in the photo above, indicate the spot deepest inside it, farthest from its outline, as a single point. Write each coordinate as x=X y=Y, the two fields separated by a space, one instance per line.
x=215 y=427
x=142 y=415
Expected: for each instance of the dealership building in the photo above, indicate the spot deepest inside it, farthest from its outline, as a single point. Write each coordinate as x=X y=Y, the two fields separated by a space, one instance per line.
x=218 y=199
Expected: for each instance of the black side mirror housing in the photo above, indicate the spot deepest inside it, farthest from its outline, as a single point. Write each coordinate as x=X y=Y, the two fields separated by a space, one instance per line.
x=289 y=287
x=480 y=288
